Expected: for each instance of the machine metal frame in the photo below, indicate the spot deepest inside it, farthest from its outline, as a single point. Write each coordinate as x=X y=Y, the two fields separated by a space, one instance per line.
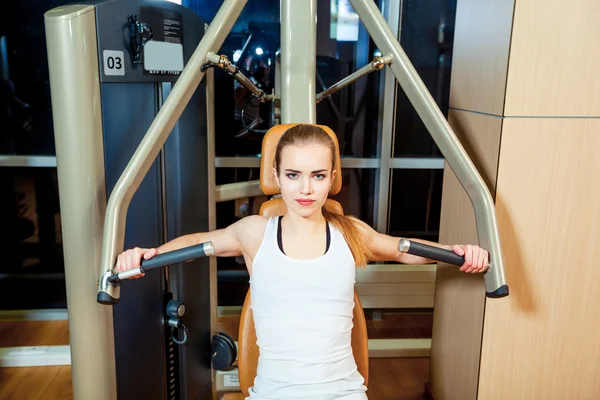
x=298 y=104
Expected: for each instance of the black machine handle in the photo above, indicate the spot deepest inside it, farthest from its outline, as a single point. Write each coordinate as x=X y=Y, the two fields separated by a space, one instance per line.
x=443 y=255
x=162 y=260
x=432 y=252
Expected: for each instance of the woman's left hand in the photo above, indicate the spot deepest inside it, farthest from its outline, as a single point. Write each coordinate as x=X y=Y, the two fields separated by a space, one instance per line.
x=476 y=258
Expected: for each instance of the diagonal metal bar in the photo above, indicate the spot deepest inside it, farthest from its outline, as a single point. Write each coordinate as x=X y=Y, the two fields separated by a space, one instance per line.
x=446 y=140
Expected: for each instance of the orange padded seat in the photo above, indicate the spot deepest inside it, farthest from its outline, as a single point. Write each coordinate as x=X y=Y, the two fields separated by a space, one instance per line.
x=247 y=348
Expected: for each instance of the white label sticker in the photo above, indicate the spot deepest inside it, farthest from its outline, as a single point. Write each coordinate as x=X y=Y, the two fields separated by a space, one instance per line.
x=163 y=57
x=231 y=380
x=114 y=62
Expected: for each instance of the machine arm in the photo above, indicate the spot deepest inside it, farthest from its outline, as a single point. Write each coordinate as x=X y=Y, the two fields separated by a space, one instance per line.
x=446 y=140
x=221 y=61
x=377 y=64
x=157 y=134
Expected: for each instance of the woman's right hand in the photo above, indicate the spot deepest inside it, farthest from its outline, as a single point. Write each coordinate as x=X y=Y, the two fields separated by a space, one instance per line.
x=130 y=259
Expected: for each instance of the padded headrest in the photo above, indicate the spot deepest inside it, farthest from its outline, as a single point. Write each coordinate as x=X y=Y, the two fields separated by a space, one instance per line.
x=268 y=185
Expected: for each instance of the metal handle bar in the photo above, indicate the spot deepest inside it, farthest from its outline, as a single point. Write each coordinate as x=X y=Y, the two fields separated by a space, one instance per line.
x=162 y=260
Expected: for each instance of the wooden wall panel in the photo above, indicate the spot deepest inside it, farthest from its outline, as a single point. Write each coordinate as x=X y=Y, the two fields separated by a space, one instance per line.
x=541 y=342
x=460 y=297
x=480 y=59
x=554 y=59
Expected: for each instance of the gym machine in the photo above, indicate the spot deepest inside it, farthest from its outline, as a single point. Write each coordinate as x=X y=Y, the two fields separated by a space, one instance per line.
x=122 y=89
x=112 y=65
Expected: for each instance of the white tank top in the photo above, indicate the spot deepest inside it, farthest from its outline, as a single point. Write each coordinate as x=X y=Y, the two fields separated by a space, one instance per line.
x=303 y=312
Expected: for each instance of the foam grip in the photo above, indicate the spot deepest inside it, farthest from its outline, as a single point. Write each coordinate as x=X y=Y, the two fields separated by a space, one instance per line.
x=432 y=252
x=162 y=260
x=177 y=256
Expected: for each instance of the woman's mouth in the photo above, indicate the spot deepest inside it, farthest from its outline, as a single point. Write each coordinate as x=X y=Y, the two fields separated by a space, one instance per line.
x=305 y=202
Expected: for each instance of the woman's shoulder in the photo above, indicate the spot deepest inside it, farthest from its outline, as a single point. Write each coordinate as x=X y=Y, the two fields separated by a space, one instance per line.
x=254 y=223
x=252 y=228
x=364 y=230
x=250 y=233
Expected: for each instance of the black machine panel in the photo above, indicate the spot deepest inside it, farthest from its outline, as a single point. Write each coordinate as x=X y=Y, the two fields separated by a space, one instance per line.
x=174 y=191
x=127 y=110
x=187 y=204
x=145 y=40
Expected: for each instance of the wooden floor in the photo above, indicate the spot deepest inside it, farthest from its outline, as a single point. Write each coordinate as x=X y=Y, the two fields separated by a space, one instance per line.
x=36 y=383
x=397 y=378
x=390 y=378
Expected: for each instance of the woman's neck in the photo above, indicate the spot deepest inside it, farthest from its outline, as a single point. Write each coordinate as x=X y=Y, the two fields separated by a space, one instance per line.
x=303 y=225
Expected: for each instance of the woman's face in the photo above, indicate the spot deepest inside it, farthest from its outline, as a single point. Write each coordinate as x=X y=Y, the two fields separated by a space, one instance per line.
x=305 y=177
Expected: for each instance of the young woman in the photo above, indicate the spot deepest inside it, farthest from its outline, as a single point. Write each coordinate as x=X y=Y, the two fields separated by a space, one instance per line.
x=302 y=274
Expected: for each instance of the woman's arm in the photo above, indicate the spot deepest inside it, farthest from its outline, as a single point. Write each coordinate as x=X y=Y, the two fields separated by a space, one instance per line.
x=385 y=248
x=227 y=242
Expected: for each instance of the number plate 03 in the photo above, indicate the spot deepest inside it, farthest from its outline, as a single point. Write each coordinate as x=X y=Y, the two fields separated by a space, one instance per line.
x=114 y=62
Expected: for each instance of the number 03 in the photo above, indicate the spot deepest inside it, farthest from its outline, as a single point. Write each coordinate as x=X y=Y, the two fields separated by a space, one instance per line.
x=114 y=63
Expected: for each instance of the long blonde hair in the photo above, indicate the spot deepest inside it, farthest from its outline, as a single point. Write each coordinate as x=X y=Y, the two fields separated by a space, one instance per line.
x=307 y=134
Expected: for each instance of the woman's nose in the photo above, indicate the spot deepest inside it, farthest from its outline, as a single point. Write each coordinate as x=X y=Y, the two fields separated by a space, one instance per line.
x=307 y=187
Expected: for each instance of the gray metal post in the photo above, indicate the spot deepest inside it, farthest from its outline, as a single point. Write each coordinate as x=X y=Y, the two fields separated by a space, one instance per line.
x=298 y=61
x=77 y=117
x=212 y=205
x=446 y=140
x=387 y=123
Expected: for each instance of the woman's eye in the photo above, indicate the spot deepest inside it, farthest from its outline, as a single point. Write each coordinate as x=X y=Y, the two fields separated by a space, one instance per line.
x=319 y=176
x=292 y=176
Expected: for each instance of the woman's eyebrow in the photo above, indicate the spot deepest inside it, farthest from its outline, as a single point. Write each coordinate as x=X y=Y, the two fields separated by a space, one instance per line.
x=318 y=171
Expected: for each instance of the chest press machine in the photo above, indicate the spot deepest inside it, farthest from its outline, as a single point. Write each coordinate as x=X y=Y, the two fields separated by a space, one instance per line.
x=94 y=228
